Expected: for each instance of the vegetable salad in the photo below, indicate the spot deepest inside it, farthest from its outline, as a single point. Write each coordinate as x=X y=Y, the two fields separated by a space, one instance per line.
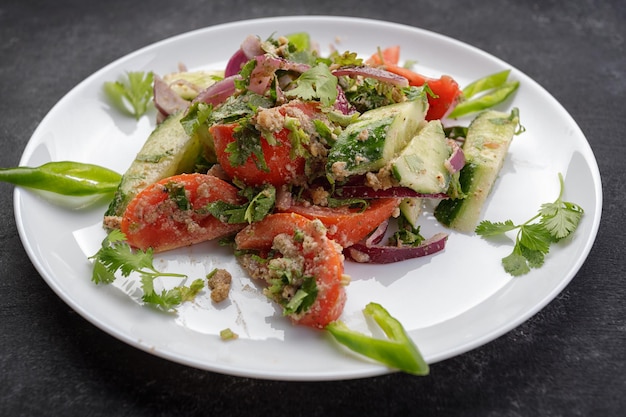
x=301 y=162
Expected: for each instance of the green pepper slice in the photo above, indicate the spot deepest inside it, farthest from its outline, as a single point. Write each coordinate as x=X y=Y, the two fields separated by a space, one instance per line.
x=399 y=351
x=64 y=177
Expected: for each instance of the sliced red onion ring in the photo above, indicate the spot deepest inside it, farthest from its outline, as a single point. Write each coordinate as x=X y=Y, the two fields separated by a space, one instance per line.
x=456 y=162
x=218 y=92
x=375 y=254
x=362 y=191
x=165 y=99
x=373 y=72
x=377 y=235
x=342 y=104
x=251 y=46
x=266 y=66
x=235 y=63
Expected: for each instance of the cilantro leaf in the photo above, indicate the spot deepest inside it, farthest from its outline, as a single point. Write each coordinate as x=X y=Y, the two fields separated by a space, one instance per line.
x=560 y=218
x=131 y=95
x=488 y=228
x=316 y=83
x=116 y=255
x=535 y=237
x=515 y=264
x=553 y=222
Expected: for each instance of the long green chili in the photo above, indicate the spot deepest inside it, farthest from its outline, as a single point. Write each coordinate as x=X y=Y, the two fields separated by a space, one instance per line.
x=485 y=83
x=64 y=177
x=495 y=89
x=399 y=351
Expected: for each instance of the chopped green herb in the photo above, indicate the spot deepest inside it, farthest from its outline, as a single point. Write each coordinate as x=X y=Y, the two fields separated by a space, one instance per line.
x=176 y=193
x=228 y=334
x=259 y=205
x=406 y=235
x=553 y=222
x=246 y=144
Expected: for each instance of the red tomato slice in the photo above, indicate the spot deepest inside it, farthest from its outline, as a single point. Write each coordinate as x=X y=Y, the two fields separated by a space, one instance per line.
x=154 y=218
x=281 y=167
x=323 y=260
x=446 y=90
x=390 y=55
x=348 y=226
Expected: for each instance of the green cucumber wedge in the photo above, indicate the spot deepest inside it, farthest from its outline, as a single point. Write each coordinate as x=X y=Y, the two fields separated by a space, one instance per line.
x=421 y=164
x=375 y=139
x=485 y=148
x=411 y=209
x=168 y=151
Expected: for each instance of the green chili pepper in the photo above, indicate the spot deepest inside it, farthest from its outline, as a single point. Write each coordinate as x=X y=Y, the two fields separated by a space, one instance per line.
x=64 y=177
x=485 y=101
x=486 y=83
x=399 y=351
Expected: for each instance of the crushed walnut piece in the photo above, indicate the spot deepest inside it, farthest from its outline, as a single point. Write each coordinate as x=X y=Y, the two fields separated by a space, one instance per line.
x=219 y=283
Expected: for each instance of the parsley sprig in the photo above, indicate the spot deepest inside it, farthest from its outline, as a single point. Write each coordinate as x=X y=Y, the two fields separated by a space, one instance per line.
x=132 y=94
x=116 y=255
x=553 y=222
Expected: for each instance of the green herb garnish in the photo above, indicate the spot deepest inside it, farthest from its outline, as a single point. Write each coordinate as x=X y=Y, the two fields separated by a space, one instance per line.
x=553 y=222
x=316 y=83
x=131 y=95
x=259 y=205
x=116 y=255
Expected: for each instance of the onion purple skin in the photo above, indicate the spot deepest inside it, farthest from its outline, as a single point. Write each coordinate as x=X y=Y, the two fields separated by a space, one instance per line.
x=456 y=162
x=235 y=63
x=375 y=254
x=217 y=93
x=372 y=72
x=363 y=191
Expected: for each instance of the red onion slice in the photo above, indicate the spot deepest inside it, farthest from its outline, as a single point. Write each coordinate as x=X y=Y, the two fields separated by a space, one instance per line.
x=216 y=93
x=378 y=234
x=456 y=162
x=374 y=254
x=166 y=101
x=235 y=63
x=342 y=104
x=362 y=191
x=266 y=66
x=251 y=46
x=372 y=72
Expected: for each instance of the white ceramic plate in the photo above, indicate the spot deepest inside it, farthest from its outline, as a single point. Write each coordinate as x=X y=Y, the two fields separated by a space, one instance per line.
x=450 y=302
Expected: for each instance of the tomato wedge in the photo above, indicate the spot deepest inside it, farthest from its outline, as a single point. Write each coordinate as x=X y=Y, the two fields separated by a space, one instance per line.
x=445 y=89
x=348 y=226
x=282 y=166
x=389 y=55
x=166 y=215
x=300 y=241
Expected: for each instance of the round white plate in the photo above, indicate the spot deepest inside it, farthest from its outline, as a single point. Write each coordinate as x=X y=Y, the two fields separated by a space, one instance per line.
x=450 y=302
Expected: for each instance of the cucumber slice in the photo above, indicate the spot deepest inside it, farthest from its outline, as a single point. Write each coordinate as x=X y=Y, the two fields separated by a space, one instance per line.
x=486 y=146
x=375 y=139
x=168 y=151
x=411 y=208
x=421 y=165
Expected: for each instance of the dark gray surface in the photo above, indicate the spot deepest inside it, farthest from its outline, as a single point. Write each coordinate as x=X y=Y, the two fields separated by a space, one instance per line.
x=568 y=360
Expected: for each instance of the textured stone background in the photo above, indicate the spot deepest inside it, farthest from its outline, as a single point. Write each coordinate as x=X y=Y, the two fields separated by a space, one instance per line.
x=568 y=360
